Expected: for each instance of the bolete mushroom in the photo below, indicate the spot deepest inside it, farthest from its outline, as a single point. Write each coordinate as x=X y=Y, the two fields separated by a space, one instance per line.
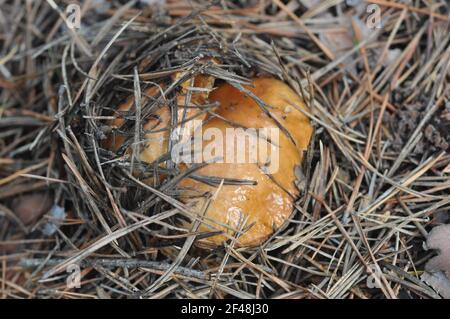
x=157 y=127
x=262 y=197
x=267 y=202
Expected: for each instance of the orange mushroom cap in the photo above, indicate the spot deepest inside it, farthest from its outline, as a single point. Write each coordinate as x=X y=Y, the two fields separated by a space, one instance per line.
x=269 y=203
x=157 y=128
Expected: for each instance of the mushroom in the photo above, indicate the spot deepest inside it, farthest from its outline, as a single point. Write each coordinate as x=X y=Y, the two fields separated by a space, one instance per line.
x=157 y=128
x=249 y=200
x=268 y=202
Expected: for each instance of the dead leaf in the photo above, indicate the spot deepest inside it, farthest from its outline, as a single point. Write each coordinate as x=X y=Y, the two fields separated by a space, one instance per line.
x=439 y=239
x=339 y=41
x=31 y=207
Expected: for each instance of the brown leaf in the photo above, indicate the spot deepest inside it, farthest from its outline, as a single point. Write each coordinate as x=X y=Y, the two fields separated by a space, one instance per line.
x=339 y=41
x=439 y=239
x=31 y=207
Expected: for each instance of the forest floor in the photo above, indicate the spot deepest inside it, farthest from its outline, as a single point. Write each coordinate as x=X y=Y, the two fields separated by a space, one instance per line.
x=372 y=220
